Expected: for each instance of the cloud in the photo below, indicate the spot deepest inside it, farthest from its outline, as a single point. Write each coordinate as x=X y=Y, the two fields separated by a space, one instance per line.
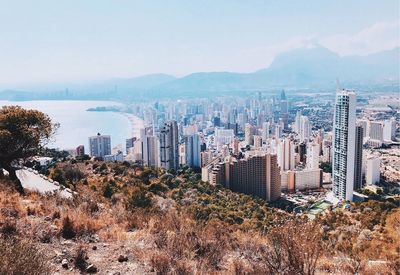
x=378 y=37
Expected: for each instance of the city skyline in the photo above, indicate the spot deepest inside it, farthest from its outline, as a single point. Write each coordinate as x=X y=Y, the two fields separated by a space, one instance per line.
x=199 y=137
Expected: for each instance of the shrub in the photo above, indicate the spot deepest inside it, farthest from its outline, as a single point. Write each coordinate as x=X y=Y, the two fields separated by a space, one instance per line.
x=161 y=263
x=103 y=167
x=108 y=190
x=8 y=228
x=22 y=257
x=139 y=199
x=58 y=175
x=157 y=187
x=67 y=229
x=80 y=258
x=73 y=174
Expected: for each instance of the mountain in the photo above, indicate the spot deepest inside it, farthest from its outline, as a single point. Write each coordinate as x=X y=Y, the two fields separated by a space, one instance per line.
x=305 y=68
x=141 y=82
x=313 y=68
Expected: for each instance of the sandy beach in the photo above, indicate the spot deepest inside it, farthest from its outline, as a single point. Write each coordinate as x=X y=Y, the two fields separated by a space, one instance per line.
x=136 y=124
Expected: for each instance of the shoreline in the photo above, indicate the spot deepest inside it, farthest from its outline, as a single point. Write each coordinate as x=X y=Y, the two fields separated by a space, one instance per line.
x=136 y=124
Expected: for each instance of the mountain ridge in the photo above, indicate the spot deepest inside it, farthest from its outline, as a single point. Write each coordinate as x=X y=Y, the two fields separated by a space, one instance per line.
x=302 y=68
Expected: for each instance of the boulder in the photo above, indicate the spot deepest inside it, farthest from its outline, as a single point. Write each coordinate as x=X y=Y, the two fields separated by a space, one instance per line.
x=64 y=263
x=122 y=258
x=91 y=268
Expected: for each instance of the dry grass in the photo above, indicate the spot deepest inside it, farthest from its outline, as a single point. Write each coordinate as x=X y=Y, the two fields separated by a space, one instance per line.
x=172 y=242
x=22 y=257
x=80 y=258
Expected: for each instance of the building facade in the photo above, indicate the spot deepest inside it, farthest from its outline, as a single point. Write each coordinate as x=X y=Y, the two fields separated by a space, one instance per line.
x=169 y=146
x=358 y=163
x=100 y=145
x=344 y=125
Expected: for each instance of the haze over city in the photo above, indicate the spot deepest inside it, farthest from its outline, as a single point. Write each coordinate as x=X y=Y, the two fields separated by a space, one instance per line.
x=68 y=41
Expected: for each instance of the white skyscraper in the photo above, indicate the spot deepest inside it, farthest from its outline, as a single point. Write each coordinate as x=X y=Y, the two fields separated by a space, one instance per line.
x=376 y=130
x=192 y=150
x=265 y=130
x=249 y=132
x=285 y=154
x=223 y=136
x=305 y=128
x=389 y=130
x=100 y=145
x=297 y=122
x=169 y=146
x=344 y=125
x=149 y=147
x=313 y=150
x=373 y=170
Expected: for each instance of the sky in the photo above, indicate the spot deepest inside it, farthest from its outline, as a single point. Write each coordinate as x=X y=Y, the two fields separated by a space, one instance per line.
x=47 y=41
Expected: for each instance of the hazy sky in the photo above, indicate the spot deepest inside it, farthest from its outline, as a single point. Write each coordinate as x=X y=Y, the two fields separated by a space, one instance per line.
x=49 y=41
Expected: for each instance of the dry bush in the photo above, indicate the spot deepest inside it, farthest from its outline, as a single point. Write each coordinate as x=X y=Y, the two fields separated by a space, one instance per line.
x=115 y=232
x=68 y=230
x=80 y=223
x=182 y=239
x=41 y=231
x=22 y=257
x=161 y=263
x=294 y=248
x=138 y=219
x=80 y=258
x=182 y=267
x=73 y=174
x=239 y=267
x=8 y=228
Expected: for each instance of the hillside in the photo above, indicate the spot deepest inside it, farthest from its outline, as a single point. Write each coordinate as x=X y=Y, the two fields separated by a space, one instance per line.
x=129 y=219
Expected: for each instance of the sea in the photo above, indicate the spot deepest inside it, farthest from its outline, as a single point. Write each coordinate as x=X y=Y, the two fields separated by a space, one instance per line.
x=77 y=124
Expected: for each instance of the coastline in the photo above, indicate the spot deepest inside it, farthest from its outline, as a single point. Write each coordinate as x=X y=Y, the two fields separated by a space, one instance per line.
x=136 y=123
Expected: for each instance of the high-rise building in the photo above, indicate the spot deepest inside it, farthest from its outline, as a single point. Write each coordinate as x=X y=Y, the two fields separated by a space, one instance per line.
x=286 y=154
x=129 y=143
x=372 y=170
x=313 y=151
x=297 y=122
x=307 y=179
x=364 y=123
x=376 y=130
x=150 y=147
x=265 y=130
x=284 y=109
x=305 y=128
x=80 y=150
x=223 y=136
x=344 y=125
x=389 y=130
x=235 y=146
x=302 y=151
x=278 y=131
x=216 y=121
x=100 y=145
x=249 y=132
x=192 y=150
x=358 y=157
x=256 y=175
x=258 y=141
x=169 y=146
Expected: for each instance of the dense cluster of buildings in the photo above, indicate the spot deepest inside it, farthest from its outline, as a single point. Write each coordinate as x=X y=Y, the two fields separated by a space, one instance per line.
x=260 y=146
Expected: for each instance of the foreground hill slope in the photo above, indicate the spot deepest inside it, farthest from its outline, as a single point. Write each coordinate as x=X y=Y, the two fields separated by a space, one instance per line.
x=128 y=219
